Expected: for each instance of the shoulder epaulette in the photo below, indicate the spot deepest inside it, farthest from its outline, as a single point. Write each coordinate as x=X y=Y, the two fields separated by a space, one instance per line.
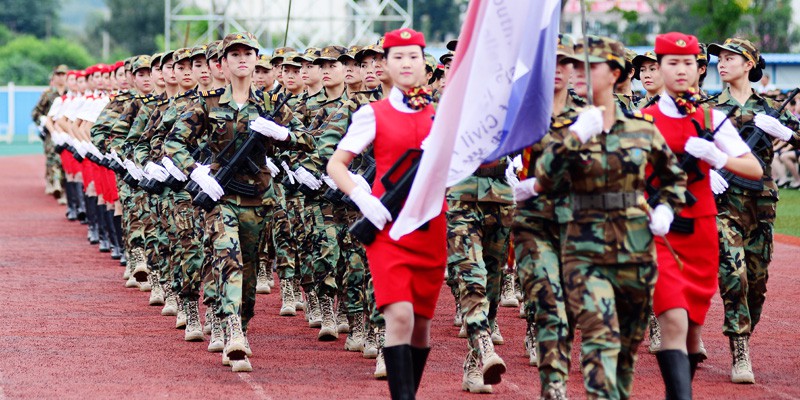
x=162 y=102
x=562 y=123
x=710 y=98
x=639 y=115
x=212 y=93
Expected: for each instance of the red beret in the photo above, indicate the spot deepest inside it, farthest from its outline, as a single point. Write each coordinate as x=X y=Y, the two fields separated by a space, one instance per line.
x=89 y=70
x=677 y=43
x=403 y=37
x=118 y=65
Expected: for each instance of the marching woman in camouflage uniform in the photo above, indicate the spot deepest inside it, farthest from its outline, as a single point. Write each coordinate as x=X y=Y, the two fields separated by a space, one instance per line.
x=407 y=273
x=684 y=290
x=747 y=208
x=537 y=231
x=608 y=252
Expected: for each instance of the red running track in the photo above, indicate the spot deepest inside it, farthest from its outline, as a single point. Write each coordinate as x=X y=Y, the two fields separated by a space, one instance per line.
x=70 y=330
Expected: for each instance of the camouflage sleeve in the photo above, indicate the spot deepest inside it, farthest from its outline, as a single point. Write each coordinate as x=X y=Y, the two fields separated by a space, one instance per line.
x=119 y=130
x=41 y=106
x=101 y=128
x=332 y=132
x=672 y=178
x=159 y=133
x=551 y=166
x=135 y=133
x=190 y=129
x=790 y=121
x=142 y=148
x=299 y=137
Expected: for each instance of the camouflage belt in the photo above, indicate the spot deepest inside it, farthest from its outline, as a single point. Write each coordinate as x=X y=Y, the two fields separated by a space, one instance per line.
x=498 y=171
x=604 y=201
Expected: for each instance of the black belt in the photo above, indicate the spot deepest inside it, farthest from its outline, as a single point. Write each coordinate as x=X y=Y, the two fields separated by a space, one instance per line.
x=682 y=225
x=604 y=201
x=497 y=171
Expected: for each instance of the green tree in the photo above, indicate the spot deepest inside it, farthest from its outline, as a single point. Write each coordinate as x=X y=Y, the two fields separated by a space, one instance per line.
x=39 y=18
x=27 y=60
x=439 y=20
x=134 y=24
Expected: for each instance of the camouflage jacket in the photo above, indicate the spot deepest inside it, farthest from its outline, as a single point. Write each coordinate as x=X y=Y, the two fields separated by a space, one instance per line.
x=101 y=130
x=757 y=104
x=627 y=102
x=612 y=162
x=217 y=120
x=122 y=125
x=313 y=161
x=158 y=128
x=487 y=184
x=552 y=206
x=44 y=103
x=137 y=130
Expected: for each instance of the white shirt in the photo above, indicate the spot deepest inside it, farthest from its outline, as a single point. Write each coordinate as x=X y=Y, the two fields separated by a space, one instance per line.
x=361 y=131
x=727 y=137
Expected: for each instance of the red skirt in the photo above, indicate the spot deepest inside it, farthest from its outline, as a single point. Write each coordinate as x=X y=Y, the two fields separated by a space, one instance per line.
x=69 y=163
x=410 y=269
x=87 y=167
x=110 y=194
x=694 y=286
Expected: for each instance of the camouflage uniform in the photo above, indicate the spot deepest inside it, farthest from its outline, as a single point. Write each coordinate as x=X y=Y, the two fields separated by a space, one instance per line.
x=538 y=228
x=53 y=172
x=479 y=216
x=746 y=222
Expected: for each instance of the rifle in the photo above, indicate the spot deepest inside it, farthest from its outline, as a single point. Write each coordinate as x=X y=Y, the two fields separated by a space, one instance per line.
x=758 y=141
x=177 y=185
x=397 y=182
x=240 y=159
x=336 y=196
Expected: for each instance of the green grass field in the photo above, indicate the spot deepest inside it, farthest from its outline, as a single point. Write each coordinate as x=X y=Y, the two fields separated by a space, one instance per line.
x=788 y=221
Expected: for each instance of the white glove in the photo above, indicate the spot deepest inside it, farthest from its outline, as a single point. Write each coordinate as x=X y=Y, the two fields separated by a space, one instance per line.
x=273 y=169
x=773 y=127
x=361 y=182
x=269 y=129
x=660 y=220
x=588 y=125
x=57 y=138
x=156 y=171
x=93 y=149
x=134 y=170
x=524 y=189
x=172 y=169
x=517 y=163
x=113 y=155
x=371 y=207
x=208 y=184
x=68 y=139
x=329 y=181
x=81 y=148
x=289 y=172
x=706 y=151
x=718 y=184
x=511 y=176
x=307 y=178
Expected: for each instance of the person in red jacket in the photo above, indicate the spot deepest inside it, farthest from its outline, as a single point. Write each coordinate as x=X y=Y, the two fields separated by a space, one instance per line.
x=407 y=273
x=688 y=280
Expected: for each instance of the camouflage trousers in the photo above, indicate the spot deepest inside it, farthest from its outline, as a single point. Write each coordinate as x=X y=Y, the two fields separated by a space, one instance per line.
x=477 y=246
x=290 y=235
x=209 y=274
x=126 y=200
x=355 y=268
x=139 y=206
x=267 y=247
x=53 y=172
x=157 y=240
x=745 y=225
x=235 y=232
x=537 y=243
x=325 y=253
x=186 y=238
x=611 y=304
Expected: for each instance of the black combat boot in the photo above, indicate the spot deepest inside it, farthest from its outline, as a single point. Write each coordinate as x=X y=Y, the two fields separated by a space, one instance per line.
x=117 y=221
x=400 y=371
x=675 y=371
x=81 y=202
x=105 y=237
x=419 y=357
x=72 y=202
x=94 y=220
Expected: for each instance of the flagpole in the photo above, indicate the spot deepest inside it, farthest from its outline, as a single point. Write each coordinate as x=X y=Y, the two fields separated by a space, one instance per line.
x=586 y=66
x=288 y=16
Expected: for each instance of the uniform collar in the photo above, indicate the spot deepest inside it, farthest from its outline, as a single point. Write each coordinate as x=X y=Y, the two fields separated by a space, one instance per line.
x=227 y=95
x=396 y=100
x=725 y=97
x=667 y=106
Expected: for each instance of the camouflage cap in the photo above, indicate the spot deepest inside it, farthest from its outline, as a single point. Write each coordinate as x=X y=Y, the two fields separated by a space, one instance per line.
x=641 y=59
x=371 y=49
x=263 y=61
x=351 y=53
x=565 y=45
x=330 y=53
x=430 y=62
x=601 y=49
x=182 y=54
x=155 y=59
x=213 y=49
x=127 y=63
x=629 y=56
x=167 y=57
x=279 y=53
x=309 y=55
x=242 y=38
x=703 y=56
x=447 y=57
x=199 y=51
x=736 y=45
x=290 y=59
x=61 y=69
x=140 y=62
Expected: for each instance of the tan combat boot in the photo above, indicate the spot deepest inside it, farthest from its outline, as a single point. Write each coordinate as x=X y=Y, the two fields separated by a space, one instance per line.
x=194 y=330
x=741 y=369
x=370 y=344
x=355 y=339
x=207 y=323
x=180 y=317
x=342 y=322
x=130 y=281
x=530 y=345
x=156 y=291
x=262 y=284
x=473 y=378
x=458 y=318
x=508 y=297
x=140 y=268
x=497 y=337
x=327 y=331
x=313 y=312
x=380 y=366
x=462 y=333
x=270 y=275
x=235 y=347
x=655 y=335
x=217 y=341
x=492 y=366
x=170 y=302
x=288 y=308
x=242 y=365
x=299 y=304
x=555 y=391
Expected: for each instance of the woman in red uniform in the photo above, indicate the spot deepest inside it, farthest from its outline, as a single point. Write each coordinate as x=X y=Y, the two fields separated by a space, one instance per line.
x=683 y=295
x=407 y=273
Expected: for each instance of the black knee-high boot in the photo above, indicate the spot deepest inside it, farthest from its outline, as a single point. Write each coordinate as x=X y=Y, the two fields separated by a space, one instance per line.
x=419 y=356
x=694 y=360
x=399 y=371
x=105 y=232
x=118 y=230
x=81 y=202
x=113 y=236
x=675 y=371
x=94 y=220
x=72 y=201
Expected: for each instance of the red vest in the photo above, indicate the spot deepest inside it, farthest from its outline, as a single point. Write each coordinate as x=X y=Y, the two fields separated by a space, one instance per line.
x=676 y=132
x=396 y=132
